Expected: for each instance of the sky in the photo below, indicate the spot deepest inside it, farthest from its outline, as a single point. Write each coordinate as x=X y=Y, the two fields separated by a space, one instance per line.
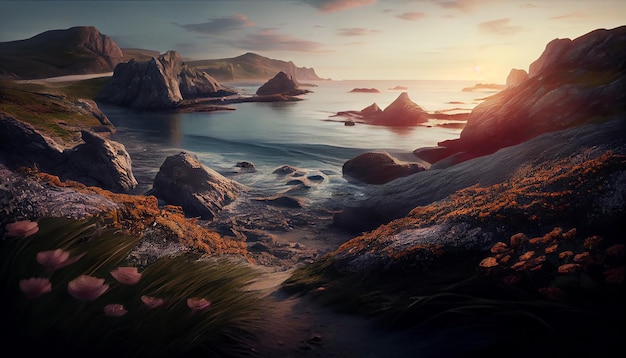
x=479 y=40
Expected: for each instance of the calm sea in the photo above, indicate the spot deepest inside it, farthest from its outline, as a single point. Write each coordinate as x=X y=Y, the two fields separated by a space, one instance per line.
x=302 y=134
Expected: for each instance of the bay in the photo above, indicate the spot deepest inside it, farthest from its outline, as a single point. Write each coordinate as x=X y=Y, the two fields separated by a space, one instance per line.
x=303 y=133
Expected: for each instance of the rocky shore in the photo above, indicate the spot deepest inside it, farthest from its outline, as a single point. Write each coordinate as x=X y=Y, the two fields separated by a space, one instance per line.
x=520 y=217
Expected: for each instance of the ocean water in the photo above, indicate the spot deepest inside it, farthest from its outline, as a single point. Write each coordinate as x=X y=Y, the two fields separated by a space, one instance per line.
x=303 y=134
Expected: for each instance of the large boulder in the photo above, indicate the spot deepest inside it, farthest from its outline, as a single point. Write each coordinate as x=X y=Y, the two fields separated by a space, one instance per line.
x=161 y=82
x=202 y=192
x=378 y=168
x=573 y=82
x=515 y=77
x=281 y=84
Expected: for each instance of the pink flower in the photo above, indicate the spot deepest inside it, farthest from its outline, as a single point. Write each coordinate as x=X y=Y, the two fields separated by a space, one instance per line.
x=35 y=286
x=115 y=310
x=86 y=288
x=55 y=259
x=197 y=303
x=21 y=228
x=152 y=302
x=126 y=275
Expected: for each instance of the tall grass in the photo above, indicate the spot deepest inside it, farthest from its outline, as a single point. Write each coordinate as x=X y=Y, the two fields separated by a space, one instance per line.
x=58 y=323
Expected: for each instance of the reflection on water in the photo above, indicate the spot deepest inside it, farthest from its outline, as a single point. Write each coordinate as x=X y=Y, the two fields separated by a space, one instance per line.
x=271 y=134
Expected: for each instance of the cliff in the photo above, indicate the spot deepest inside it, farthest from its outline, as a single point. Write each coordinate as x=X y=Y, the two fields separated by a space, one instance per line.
x=77 y=50
x=161 y=82
x=252 y=66
x=281 y=84
x=573 y=82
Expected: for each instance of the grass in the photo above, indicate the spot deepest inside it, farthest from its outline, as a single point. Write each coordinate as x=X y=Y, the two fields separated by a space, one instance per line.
x=60 y=324
x=46 y=108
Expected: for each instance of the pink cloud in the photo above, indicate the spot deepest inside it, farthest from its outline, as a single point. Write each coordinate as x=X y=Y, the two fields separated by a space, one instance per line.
x=355 y=31
x=218 y=25
x=499 y=27
x=412 y=16
x=269 y=40
x=329 y=6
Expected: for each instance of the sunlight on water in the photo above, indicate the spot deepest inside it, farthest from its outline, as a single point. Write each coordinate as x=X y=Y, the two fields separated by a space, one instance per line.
x=302 y=134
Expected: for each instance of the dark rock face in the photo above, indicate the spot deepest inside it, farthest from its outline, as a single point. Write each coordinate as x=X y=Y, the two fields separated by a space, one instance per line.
x=281 y=84
x=95 y=162
x=77 y=50
x=161 y=82
x=572 y=83
x=202 y=192
x=378 y=168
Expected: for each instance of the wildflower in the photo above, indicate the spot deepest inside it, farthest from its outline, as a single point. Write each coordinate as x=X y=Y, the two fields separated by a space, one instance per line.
x=126 y=275
x=115 y=310
x=196 y=303
x=151 y=302
x=488 y=262
x=568 y=268
x=35 y=286
x=55 y=259
x=87 y=288
x=21 y=228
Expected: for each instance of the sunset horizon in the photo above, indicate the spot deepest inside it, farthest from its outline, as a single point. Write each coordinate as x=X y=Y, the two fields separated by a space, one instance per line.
x=474 y=40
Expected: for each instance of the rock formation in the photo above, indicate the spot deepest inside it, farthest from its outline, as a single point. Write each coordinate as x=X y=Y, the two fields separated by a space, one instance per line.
x=378 y=168
x=281 y=84
x=516 y=77
x=202 y=192
x=158 y=83
x=77 y=50
x=97 y=161
x=401 y=112
x=572 y=83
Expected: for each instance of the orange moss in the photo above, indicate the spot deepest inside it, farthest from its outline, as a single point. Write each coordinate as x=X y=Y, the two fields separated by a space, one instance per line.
x=137 y=212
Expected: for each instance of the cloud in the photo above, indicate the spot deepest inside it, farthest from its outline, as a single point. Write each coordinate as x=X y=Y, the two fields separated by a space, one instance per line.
x=464 y=5
x=574 y=15
x=269 y=40
x=218 y=25
x=355 y=31
x=411 y=16
x=329 y=6
x=499 y=27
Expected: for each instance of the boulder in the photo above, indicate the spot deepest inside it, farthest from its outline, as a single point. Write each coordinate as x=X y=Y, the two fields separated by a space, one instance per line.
x=99 y=162
x=161 y=82
x=281 y=84
x=96 y=161
x=202 y=192
x=378 y=168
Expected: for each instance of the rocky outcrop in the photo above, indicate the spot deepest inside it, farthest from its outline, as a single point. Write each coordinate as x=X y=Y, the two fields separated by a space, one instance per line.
x=202 y=192
x=77 y=50
x=573 y=82
x=281 y=84
x=378 y=168
x=516 y=77
x=96 y=161
x=396 y=199
x=161 y=82
x=401 y=112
